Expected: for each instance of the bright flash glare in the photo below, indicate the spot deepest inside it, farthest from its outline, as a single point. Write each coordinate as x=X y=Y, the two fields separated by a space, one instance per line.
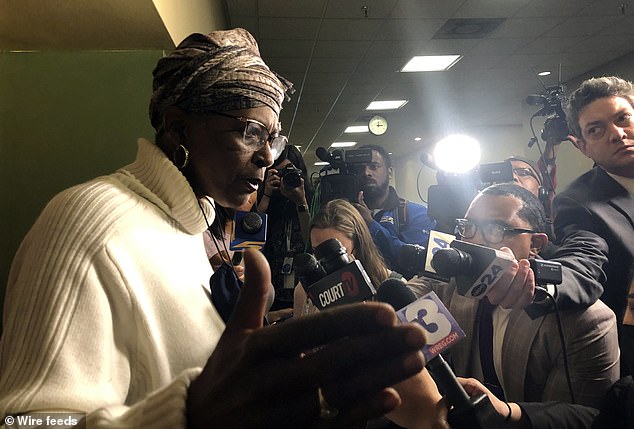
x=457 y=153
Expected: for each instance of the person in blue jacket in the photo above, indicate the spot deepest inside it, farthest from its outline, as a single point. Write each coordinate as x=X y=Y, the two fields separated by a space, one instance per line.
x=393 y=221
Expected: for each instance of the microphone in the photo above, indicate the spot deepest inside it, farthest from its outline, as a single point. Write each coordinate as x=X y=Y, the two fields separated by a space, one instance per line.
x=442 y=332
x=323 y=154
x=307 y=270
x=249 y=230
x=431 y=314
x=396 y=293
x=346 y=281
x=417 y=259
x=475 y=268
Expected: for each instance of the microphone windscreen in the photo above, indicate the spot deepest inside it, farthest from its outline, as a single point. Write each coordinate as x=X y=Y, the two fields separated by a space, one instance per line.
x=396 y=293
x=307 y=269
x=450 y=262
x=323 y=154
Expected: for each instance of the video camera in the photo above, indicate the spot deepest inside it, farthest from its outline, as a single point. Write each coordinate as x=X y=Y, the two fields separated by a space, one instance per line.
x=344 y=184
x=555 y=127
x=450 y=198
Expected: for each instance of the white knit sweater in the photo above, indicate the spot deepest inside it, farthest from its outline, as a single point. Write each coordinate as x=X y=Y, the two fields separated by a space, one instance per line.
x=107 y=310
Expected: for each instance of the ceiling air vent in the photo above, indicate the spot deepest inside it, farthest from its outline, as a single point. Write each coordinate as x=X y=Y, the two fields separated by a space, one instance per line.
x=470 y=28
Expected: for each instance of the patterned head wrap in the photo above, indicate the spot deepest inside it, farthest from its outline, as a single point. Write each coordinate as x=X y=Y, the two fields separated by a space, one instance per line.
x=220 y=71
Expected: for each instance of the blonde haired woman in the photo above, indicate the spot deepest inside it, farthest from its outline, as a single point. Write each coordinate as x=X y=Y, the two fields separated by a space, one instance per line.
x=339 y=219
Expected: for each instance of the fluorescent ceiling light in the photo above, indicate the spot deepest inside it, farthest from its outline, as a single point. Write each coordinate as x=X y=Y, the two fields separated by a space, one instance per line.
x=321 y=163
x=417 y=139
x=343 y=144
x=431 y=63
x=543 y=73
x=357 y=129
x=386 y=105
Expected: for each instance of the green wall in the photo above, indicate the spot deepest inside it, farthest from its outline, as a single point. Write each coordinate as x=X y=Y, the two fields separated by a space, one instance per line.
x=65 y=117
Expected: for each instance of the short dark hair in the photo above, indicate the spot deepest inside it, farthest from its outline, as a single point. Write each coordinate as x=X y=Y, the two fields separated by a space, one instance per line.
x=381 y=150
x=532 y=211
x=531 y=164
x=591 y=90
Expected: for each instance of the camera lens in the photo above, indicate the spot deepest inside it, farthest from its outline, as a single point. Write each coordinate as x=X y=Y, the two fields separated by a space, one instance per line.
x=291 y=177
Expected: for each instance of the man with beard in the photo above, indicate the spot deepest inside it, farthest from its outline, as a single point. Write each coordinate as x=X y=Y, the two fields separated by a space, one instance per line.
x=393 y=221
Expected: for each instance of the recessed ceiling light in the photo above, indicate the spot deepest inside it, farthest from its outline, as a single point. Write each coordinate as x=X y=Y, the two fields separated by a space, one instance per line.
x=543 y=73
x=357 y=129
x=431 y=63
x=386 y=105
x=321 y=163
x=343 y=144
x=417 y=139
x=389 y=153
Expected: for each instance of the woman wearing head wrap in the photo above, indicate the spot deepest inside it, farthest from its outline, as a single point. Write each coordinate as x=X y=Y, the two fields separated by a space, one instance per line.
x=107 y=309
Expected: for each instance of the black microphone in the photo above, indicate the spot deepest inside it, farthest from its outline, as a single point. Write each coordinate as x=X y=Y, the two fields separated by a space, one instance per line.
x=323 y=154
x=307 y=269
x=346 y=281
x=466 y=412
x=475 y=268
x=396 y=293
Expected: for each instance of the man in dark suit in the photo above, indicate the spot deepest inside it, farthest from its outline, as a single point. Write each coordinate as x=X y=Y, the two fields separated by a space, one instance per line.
x=600 y=201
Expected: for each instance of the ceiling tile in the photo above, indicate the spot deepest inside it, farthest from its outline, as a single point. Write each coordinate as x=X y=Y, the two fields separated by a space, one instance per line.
x=288 y=28
x=376 y=9
x=341 y=49
x=295 y=8
x=583 y=26
x=426 y=9
x=499 y=46
x=550 y=45
x=494 y=8
x=409 y=29
x=549 y=8
x=349 y=29
x=526 y=27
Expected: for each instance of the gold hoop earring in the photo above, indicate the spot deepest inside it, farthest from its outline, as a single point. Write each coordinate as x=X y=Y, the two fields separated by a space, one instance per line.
x=180 y=157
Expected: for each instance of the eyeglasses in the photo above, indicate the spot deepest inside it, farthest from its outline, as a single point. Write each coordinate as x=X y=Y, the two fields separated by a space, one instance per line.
x=493 y=232
x=526 y=172
x=256 y=135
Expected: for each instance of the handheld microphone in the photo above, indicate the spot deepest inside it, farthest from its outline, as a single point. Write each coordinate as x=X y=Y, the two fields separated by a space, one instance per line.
x=346 y=282
x=307 y=270
x=417 y=259
x=396 y=293
x=431 y=314
x=249 y=230
x=475 y=268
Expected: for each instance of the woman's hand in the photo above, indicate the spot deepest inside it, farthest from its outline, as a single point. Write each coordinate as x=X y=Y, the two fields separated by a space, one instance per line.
x=297 y=194
x=269 y=377
x=272 y=182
